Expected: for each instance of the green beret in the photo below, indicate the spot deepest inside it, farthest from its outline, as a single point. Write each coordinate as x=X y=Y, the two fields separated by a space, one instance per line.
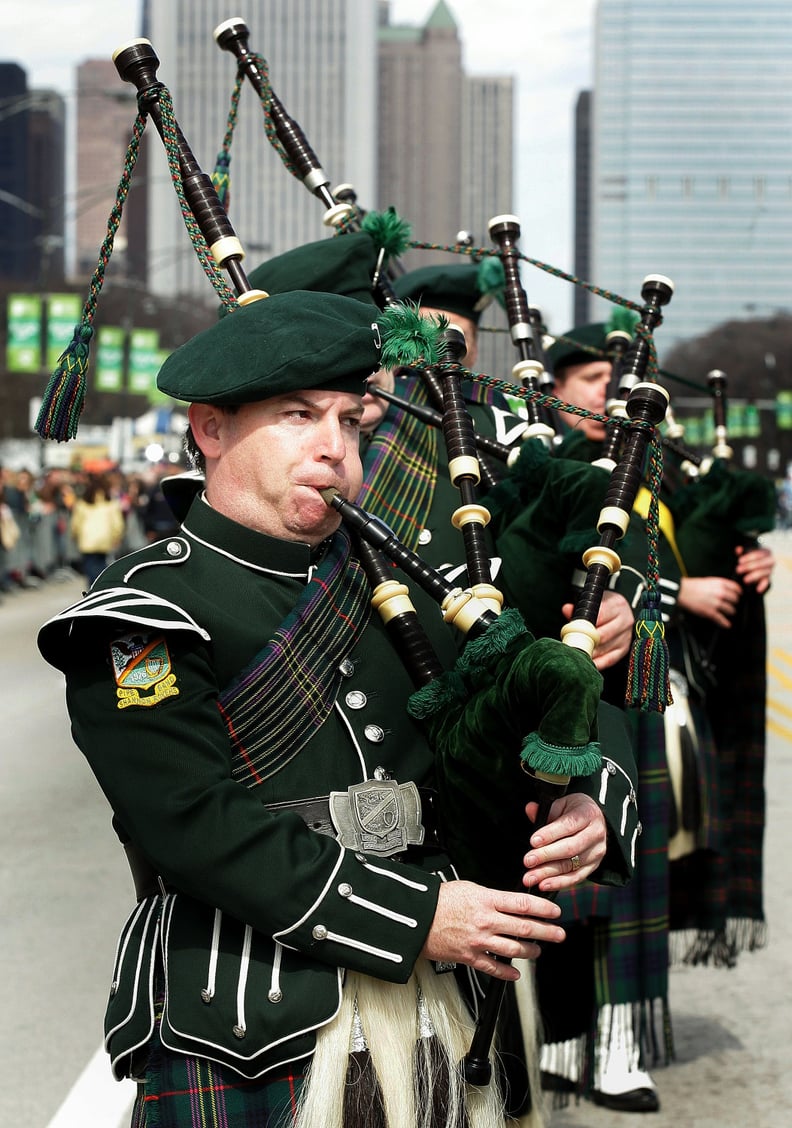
x=279 y=344
x=344 y=264
x=462 y=288
x=577 y=349
x=590 y=342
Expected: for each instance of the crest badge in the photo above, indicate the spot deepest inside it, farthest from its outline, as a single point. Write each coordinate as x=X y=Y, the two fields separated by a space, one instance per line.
x=142 y=670
x=378 y=816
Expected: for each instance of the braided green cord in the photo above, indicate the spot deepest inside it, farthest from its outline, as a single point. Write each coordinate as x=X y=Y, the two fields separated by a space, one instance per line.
x=478 y=252
x=106 y=249
x=655 y=473
x=265 y=97
x=205 y=258
x=233 y=111
x=609 y=295
x=64 y=396
x=220 y=177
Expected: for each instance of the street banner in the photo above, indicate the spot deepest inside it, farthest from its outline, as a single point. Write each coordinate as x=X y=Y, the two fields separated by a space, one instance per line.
x=784 y=411
x=63 y=313
x=109 y=376
x=144 y=362
x=23 y=349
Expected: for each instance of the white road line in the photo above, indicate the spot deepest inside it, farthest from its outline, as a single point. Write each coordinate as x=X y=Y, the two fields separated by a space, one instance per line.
x=96 y=1098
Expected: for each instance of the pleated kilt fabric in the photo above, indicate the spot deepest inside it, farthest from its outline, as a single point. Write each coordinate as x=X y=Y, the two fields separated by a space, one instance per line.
x=617 y=947
x=187 y=1092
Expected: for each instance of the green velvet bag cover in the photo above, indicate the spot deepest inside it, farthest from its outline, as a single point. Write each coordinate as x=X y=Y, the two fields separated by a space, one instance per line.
x=543 y=517
x=714 y=513
x=506 y=689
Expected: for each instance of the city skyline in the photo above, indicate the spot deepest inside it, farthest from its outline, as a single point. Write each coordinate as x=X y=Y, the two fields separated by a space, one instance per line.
x=545 y=46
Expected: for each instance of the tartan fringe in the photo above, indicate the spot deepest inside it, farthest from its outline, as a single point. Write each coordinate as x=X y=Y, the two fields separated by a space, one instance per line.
x=717 y=947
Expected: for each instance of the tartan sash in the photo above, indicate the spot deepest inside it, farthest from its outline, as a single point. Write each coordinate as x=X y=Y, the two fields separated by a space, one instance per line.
x=296 y=676
x=400 y=468
x=400 y=465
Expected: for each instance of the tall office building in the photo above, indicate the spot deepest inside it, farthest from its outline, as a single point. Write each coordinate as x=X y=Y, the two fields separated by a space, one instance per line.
x=47 y=184
x=445 y=146
x=16 y=210
x=31 y=179
x=101 y=97
x=582 y=233
x=692 y=156
x=420 y=124
x=445 y=155
x=487 y=157
x=321 y=56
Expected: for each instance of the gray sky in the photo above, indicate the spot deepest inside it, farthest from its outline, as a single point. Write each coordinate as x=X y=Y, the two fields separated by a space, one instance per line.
x=545 y=44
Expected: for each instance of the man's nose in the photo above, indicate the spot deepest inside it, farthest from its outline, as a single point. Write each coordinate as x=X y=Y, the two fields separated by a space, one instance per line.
x=331 y=442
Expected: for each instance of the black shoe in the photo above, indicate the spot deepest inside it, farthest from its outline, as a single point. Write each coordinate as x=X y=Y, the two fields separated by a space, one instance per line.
x=635 y=1100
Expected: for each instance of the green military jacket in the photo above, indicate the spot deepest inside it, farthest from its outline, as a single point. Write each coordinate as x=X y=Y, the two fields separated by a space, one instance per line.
x=254 y=915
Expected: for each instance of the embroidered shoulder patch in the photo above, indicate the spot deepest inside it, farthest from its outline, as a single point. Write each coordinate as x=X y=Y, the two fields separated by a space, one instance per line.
x=142 y=669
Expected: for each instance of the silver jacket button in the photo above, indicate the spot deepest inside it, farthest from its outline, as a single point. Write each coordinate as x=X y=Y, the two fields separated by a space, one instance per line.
x=173 y=548
x=374 y=733
x=344 y=889
x=275 y=996
x=425 y=536
x=611 y=768
x=355 y=699
x=319 y=932
x=347 y=668
x=239 y=1031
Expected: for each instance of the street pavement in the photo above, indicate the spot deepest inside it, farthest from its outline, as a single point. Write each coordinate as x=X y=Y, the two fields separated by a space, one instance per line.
x=65 y=890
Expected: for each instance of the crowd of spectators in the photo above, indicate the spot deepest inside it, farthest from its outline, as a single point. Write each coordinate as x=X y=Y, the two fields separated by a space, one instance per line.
x=39 y=536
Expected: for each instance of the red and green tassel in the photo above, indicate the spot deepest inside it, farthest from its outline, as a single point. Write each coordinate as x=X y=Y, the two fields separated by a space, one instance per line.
x=63 y=399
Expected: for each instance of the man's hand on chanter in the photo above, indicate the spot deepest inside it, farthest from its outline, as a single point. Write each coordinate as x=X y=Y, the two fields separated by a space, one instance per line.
x=472 y=924
x=569 y=847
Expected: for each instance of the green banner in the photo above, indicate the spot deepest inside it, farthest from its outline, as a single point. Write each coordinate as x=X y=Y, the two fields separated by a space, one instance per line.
x=23 y=350
x=109 y=375
x=144 y=360
x=753 y=425
x=63 y=313
x=784 y=411
x=735 y=420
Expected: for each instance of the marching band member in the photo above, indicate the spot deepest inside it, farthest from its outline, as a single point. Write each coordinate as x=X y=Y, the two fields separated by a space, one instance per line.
x=246 y=719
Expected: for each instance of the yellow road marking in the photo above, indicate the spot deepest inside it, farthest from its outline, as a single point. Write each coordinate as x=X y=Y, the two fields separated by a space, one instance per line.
x=779 y=708
x=779 y=675
x=779 y=730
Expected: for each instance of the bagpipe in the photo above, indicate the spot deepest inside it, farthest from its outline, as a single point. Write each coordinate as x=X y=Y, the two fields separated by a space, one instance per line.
x=721 y=507
x=288 y=138
x=529 y=370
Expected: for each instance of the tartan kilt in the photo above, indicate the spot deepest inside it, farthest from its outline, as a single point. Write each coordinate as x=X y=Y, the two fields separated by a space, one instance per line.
x=617 y=947
x=179 y=1091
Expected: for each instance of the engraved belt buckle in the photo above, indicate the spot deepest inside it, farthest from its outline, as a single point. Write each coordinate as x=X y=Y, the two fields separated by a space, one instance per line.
x=379 y=816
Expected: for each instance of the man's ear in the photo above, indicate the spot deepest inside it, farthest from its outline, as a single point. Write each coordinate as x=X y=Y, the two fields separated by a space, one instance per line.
x=205 y=423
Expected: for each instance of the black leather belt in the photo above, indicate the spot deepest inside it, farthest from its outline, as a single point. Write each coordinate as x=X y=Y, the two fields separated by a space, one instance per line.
x=315 y=813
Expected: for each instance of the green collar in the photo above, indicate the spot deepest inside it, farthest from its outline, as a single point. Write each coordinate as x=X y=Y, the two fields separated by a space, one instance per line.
x=248 y=547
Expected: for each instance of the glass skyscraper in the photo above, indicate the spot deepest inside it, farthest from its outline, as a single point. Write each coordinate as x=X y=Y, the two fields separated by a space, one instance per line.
x=692 y=157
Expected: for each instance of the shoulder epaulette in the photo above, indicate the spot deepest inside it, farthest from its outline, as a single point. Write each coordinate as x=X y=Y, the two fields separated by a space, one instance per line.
x=123 y=604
